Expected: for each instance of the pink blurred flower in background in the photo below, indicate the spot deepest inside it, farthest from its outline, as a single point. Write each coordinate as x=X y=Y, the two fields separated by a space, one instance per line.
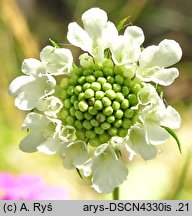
x=28 y=187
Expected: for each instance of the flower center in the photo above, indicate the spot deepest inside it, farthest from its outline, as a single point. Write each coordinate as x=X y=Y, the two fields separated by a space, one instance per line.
x=97 y=103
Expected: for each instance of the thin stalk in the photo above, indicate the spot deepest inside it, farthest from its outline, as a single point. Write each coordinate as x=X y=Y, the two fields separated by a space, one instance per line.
x=116 y=194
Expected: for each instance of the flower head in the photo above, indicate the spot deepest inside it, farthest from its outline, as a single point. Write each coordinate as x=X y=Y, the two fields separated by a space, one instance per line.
x=110 y=102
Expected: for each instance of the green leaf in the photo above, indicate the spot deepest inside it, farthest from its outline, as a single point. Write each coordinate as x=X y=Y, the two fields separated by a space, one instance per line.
x=174 y=135
x=79 y=173
x=54 y=43
x=121 y=23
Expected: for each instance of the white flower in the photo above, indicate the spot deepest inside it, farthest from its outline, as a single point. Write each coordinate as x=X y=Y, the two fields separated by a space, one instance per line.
x=57 y=61
x=50 y=106
x=136 y=143
x=97 y=35
x=108 y=172
x=45 y=134
x=33 y=86
x=74 y=154
x=154 y=61
x=126 y=49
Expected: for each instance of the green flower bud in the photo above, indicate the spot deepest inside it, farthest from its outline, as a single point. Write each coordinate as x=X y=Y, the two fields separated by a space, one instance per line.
x=110 y=94
x=90 y=78
x=87 y=125
x=86 y=86
x=124 y=104
x=94 y=122
x=116 y=105
x=64 y=114
x=64 y=83
x=119 y=97
x=98 y=130
x=126 y=123
x=91 y=101
x=110 y=79
x=64 y=94
x=111 y=119
x=133 y=99
x=103 y=138
x=86 y=60
x=99 y=95
x=98 y=73
x=79 y=115
x=70 y=120
x=118 y=70
x=76 y=105
x=70 y=90
x=78 y=71
x=129 y=113
x=83 y=106
x=81 y=96
x=78 y=89
x=108 y=111
x=92 y=110
x=73 y=99
x=81 y=80
x=116 y=87
x=87 y=72
x=106 y=86
x=78 y=124
x=119 y=114
x=106 y=101
x=89 y=93
x=72 y=111
x=107 y=63
x=67 y=103
x=90 y=134
x=125 y=90
x=112 y=131
x=100 y=117
x=96 y=86
x=122 y=132
x=137 y=88
x=105 y=125
x=87 y=116
x=73 y=80
x=95 y=142
x=118 y=123
x=108 y=71
x=101 y=80
x=119 y=79
x=98 y=105
x=80 y=134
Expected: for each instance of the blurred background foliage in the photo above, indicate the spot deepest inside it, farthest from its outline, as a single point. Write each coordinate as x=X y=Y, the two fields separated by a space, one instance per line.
x=26 y=26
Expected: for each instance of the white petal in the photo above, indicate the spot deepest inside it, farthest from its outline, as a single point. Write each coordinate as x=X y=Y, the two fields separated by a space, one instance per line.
x=75 y=155
x=49 y=146
x=155 y=134
x=94 y=20
x=137 y=144
x=79 y=37
x=135 y=33
x=57 y=60
x=32 y=66
x=34 y=120
x=116 y=142
x=165 y=77
x=148 y=95
x=125 y=51
x=171 y=118
x=50 y=105
x=30 y=142
x=167 y=53
x=108 y=171
x=18 y=83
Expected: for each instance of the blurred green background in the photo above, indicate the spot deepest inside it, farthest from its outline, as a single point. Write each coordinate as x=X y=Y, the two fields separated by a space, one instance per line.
x=26 y=26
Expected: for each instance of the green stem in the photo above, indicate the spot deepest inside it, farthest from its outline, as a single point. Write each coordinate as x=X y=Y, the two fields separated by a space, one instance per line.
x=116 y=194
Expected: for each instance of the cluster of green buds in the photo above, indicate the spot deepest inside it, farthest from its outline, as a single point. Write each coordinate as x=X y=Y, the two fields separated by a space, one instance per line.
x=97 y=101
